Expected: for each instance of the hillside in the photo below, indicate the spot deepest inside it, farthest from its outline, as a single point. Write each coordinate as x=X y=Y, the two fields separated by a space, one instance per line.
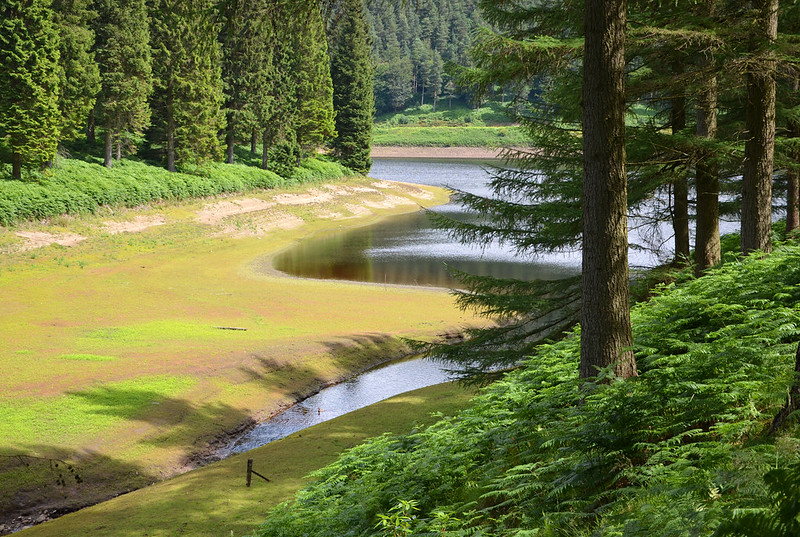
x=677 y=451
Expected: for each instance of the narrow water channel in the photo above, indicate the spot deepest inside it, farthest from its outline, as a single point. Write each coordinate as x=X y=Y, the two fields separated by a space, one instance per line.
x=366 y=389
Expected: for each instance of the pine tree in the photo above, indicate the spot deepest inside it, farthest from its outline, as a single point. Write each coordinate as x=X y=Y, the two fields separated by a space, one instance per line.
x=760 y=125
x=187 y=95
x=248 y=50
x=29 y=89
x=79 y=74
x=314 y=122
x=123 y=53
x=352 y=75
x=606 y=338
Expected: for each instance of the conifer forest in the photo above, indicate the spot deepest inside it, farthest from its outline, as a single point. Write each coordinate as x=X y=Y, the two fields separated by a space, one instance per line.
x=613 y=401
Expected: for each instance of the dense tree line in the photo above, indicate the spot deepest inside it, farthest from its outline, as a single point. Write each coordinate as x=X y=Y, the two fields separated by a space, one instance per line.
x=185 y=80
x=412 y=44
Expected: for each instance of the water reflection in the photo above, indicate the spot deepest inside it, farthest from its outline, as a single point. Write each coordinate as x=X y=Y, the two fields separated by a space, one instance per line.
x=408 y=249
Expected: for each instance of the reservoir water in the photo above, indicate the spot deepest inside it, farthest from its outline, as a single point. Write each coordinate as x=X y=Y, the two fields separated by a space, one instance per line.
x=408 y=249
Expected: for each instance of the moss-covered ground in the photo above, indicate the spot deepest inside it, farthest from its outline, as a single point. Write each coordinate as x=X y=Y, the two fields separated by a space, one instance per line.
x=116 y=366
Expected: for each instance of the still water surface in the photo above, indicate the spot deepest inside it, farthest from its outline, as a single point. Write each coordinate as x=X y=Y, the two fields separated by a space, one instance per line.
x=408 y=249
x=364 y=390
x=405 y=249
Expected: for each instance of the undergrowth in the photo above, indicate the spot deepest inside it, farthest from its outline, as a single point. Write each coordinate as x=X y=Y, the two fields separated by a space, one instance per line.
x=80 y=186
x=674 y=452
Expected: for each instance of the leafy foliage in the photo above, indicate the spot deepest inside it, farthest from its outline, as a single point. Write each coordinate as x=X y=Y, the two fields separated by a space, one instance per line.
x=75 y=186
x=669 y=453
x=29 y=92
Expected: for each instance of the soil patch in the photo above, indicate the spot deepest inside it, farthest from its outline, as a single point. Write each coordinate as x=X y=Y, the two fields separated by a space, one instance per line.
x=38 y=239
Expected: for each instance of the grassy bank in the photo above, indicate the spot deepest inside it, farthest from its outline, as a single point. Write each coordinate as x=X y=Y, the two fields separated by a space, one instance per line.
x=117 y=367
x=81 y=185
x=677 y=451
x=214 y=501
x=459 y=126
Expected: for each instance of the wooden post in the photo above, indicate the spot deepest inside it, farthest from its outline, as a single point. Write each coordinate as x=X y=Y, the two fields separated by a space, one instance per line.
x=251 y=472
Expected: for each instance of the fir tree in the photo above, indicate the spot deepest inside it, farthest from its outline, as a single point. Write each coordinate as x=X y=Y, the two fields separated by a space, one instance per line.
x=760 y=124
x=79 y=74
x=123 y=53
x=312 y=80
x=606 y=338
x=187 y=81
x=248 y=48
x=29 y=90
x=353 y=100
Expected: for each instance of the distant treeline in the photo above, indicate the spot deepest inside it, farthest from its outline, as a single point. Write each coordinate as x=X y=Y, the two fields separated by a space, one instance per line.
x=412 y=44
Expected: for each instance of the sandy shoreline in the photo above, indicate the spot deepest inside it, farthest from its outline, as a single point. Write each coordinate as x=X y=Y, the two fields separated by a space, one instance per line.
x=381 y=151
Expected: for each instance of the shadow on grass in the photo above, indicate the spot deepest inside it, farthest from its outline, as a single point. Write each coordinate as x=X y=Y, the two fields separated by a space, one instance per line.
x=214 y=500
x=43 y=481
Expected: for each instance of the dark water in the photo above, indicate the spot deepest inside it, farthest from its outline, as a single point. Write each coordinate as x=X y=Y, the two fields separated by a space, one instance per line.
x=408 y=249
x=366 y=389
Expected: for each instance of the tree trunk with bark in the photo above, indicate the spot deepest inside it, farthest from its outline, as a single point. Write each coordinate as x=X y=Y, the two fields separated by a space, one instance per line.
x=265 y=151
x=170 y=140
x=108 y=155
x=760 y=125
x=680 y=207
x=707 y=249
x=793 y=175
x=16 y=165
x=605 y=312
x=90 y=127
x=229 y=140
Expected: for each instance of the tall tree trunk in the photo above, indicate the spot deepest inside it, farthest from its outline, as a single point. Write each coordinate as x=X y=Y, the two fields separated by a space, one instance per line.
x=16 y=165
x=707 y=246
x=254 y=142
x=793 y=176
x=680 y=207
x=119 y=150
x=90 y=127
x=265 y=151
x=170 y=140
x=605 y=312
x=108 y=157
x=229 y=140
x=760 y=144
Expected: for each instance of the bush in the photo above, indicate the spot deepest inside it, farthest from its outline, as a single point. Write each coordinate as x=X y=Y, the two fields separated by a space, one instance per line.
x=78 y=187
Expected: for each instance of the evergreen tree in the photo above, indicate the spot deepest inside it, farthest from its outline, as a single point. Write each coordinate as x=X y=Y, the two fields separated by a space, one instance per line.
x=187 y=95
x=760 y=125
x=353 y=100
x=29 y=91
x=123 y=53
x=311 y=72
x=79 y=74
x=277 y=86
x=606 y=338
x=248 y=48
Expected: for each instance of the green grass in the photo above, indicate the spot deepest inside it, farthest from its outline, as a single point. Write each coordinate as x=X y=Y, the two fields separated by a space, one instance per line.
x=113 y=362
x=460 y=126
x=82 y=185
x=88 y=357
x=510 y=136
x=88 y=411
x=213 y=500
x=492 y=114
